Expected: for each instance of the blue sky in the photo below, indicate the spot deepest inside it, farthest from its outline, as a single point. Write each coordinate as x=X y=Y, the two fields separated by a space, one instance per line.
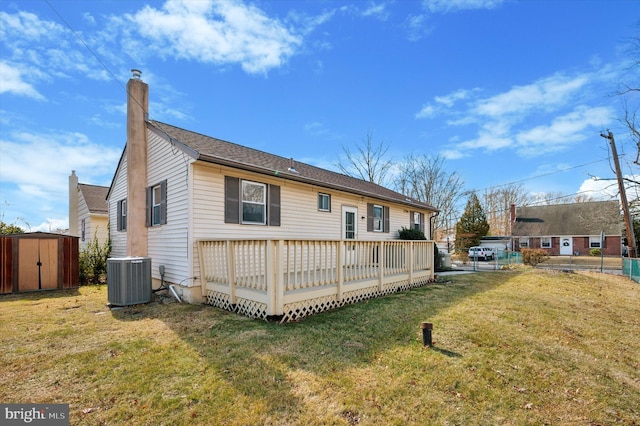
x=507 y=91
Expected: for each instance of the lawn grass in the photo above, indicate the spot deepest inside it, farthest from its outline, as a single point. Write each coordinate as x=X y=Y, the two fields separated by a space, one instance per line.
x=511 y=347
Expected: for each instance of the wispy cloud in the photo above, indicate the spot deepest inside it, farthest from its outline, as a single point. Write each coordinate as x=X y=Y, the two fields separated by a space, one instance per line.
x=442 y=6
x=12 y=81
x=548 y=115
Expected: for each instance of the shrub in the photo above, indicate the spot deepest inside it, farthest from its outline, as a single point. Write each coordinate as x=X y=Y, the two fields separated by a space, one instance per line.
x=595 y=252
x=92 y=261
x=533 y=256
x=411 y=234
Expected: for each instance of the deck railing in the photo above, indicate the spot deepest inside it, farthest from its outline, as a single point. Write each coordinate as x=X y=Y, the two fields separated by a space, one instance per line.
x=295 y=278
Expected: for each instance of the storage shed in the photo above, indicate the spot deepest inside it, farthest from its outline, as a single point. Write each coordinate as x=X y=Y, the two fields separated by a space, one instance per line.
x=38 y=261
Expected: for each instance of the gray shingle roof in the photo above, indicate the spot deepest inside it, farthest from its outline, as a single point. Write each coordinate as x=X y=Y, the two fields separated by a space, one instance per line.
x=217 y=151
x=569 y=219
x=96 y=197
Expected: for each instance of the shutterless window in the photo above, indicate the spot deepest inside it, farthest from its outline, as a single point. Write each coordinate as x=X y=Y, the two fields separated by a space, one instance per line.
x=545 y=242
x=377 y=218
x=324 y=202
x=254 y=202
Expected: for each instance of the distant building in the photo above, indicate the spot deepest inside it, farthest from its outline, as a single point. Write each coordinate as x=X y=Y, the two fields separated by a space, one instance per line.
x=88 y=211
x=568 y=229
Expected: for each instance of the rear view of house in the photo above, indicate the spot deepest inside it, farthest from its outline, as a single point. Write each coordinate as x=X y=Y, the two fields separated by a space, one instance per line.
x=206 y=211
x=569 y=229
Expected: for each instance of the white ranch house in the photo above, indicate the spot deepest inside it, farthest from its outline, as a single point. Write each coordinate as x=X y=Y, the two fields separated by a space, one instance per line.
x=257 y=233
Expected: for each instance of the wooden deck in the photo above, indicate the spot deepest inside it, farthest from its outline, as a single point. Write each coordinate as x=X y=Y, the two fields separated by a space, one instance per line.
x=291 y=279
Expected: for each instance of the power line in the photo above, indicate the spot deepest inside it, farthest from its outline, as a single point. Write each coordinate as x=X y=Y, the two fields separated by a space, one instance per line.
x=95 y=55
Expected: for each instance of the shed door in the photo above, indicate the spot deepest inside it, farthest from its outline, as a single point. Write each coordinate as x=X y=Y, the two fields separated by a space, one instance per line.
x=37 y=264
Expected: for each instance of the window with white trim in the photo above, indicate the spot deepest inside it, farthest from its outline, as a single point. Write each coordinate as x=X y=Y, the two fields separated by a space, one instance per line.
x=122 y=215
x=378 y=217
x=594 y=242
x=545 y=242
x=524 y=242
x=254 y=202
x=156 y=205
x=417 y=221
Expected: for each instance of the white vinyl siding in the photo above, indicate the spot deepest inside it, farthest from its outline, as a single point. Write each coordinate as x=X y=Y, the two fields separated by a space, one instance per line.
x=168 y=244
x=118 y=192
x=300 y=217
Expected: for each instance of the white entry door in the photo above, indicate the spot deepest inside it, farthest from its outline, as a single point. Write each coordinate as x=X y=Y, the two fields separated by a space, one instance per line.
x=349 y=232
x=566 y=246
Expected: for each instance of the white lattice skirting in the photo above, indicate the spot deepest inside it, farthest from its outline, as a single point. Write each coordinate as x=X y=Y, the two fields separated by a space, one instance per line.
x=299 y=310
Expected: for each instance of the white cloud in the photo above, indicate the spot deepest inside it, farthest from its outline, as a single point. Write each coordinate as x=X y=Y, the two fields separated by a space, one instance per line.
x=455 y=5
x=427 y=111
x=417 y=27
x=377 y=10
x=11 y=81
x=439 y=102
x=564 y=130
x=27 y=162
x=544 y=94
x=217 y=32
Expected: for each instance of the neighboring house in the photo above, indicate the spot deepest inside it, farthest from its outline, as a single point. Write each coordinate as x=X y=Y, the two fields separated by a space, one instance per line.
x=569 y=229
x=180 y=197
x=88 y=211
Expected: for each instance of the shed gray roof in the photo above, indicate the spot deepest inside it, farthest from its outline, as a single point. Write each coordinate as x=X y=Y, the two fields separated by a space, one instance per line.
x=96 y=197
x=206 y=148
x=581 y=219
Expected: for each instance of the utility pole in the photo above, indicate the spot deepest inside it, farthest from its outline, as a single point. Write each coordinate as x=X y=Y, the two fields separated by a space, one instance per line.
x=628 y=222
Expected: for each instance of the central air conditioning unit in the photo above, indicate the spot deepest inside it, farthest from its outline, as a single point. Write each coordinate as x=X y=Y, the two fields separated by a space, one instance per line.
x=129 y=280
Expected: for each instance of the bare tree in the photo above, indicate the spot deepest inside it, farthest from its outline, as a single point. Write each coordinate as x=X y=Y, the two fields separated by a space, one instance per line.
x=496 y=202
x=630 y=93
x=425 y=179
x=369 y=162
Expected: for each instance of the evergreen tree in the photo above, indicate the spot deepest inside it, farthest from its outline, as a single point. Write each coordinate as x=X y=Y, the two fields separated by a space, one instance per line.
x=472 y=225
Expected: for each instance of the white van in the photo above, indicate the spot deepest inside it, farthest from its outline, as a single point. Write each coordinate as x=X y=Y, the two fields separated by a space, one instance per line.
x=482 y=253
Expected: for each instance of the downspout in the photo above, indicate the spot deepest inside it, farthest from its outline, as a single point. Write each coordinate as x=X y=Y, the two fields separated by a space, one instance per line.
x=431 y=224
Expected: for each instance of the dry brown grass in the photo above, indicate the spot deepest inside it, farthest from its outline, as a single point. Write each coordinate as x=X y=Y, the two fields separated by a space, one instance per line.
x=511 y=347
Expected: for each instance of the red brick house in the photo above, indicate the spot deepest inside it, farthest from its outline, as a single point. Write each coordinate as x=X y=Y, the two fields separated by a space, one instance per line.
x=568 y=229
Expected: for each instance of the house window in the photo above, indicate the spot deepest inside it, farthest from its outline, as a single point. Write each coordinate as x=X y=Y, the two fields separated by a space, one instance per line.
x=324 y=202
x=250 y=202
x=377 y=218
x=524 y=242
x=83 y=225
x=122 y=215
x=417 y=221
x=594 y=242
x=545 y=242
x=254 y=202
x=157 y=204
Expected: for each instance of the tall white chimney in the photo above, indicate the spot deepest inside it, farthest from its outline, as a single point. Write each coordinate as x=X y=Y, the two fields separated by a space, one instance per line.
x=137 y=115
